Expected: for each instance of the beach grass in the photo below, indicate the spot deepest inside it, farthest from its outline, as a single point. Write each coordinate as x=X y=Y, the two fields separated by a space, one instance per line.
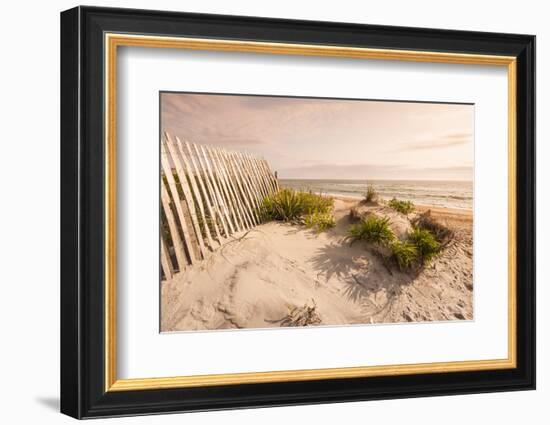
x=404 y=253
x=293 y=206
x=372 y=229
x=319 y=221
x=371 y=195
x=440 y=232
x=418 y=247
x=404 y=207
x=426 y=244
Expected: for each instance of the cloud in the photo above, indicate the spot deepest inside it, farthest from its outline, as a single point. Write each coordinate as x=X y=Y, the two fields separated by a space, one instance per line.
x=459 y=136
x=337 y=171
x=376 y=171
x=446 y=141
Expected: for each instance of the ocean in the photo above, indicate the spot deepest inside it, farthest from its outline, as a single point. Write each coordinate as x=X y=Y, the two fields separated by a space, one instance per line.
x=451 y=194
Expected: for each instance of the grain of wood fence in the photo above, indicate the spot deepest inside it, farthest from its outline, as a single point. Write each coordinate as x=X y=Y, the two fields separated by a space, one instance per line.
x=207 y=195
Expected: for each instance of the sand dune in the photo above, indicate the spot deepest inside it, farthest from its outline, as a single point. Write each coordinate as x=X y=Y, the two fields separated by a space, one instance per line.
x=276 y=273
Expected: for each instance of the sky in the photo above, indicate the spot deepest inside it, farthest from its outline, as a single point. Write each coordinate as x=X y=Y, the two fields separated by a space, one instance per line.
x=308 y=138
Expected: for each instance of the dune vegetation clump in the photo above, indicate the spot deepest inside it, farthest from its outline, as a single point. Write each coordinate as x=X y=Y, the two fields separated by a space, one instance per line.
x=371 y=195
x=285 y=205
x=416 y=248
x=372 y=229
x=426 y=244
x=440 y=232
x=315 y=211
x=319 y=221
x=316 y=203
x=404 y=253
x=404 y=207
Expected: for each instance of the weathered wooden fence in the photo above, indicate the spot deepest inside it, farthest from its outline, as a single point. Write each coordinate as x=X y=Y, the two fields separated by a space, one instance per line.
x=207 y=194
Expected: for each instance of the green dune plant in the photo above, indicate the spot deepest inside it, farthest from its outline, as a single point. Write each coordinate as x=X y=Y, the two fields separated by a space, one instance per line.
x=372 y=229
x=426 y=244
x=293 y=206
x=441 y=233
x=319 y=221
x=404 y=207
x=404 y=253
x=371 y=195
x=313 y=203
x=285 y=205
x=419 y=247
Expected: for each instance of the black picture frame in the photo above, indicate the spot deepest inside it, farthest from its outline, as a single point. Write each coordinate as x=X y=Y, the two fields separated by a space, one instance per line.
x=83 y=392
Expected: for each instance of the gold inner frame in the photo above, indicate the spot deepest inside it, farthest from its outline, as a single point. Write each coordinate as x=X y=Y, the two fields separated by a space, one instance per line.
x=113 y=41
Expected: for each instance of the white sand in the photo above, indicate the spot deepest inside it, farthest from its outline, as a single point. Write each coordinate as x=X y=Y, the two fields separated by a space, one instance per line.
x=256 y=279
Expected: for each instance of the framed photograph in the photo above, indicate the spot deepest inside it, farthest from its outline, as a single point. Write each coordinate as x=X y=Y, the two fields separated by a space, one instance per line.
x=261 y=212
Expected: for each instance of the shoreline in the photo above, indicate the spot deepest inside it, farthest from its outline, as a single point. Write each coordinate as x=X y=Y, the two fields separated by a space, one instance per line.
x=435 y=209
x=423 y=207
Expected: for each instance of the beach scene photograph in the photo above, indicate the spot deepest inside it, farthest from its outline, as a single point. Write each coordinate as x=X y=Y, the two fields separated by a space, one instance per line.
x=282 y=212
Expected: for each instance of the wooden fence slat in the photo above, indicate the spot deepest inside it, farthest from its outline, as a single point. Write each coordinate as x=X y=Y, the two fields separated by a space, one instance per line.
x=196 y=192
x=208 y=191
x=268 y=174
x=250 y=194
x=265 y=176
x=250 y=178
x=247 y=213
x=247 y=201
x=188 y=197
x=233 y=192
x=233 y=188
x=221 y=202
x=241 y=194
x=241 y=211
x=200 y=175
x=210 y=185
x=165 y=261
x=175 y=196
x=248 y=183
x=273 y=176
x=256 y=178
x=261 y=183
x=259 y=174
x=174 y=233
x=218 y=167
